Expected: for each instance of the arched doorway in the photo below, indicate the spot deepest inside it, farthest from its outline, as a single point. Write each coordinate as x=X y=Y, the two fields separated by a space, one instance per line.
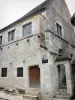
x=61 y=77
x=34 y=77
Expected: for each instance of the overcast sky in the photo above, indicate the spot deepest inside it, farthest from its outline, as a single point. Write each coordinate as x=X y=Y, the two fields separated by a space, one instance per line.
x=11 y=10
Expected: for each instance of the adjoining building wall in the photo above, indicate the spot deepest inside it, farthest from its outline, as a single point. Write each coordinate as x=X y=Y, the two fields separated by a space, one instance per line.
x=55 y=42
x=49 y=72
x=57 y=12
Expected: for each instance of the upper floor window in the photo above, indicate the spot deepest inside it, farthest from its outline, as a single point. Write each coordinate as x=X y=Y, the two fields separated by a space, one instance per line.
x=4 y=72
x=11 y=35
x=59 y=29
x=0 y=40
x=27 y=29
x=20 y=72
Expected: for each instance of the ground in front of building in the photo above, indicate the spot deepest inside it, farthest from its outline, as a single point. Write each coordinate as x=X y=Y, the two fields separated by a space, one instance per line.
x=5 y=96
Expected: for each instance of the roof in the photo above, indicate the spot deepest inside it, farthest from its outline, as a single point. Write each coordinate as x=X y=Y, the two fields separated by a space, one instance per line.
x=63 y=55
x=40 y=7
x=62 y=58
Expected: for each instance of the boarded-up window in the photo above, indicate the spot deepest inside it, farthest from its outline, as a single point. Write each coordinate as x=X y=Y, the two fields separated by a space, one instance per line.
x=4 y=72
x=11 y=35
x=0 y=40
x=59 y=29
x=20 y=72
x=27 y=29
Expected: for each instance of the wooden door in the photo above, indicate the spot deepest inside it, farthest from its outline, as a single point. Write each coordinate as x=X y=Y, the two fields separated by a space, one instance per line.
x=34 y=77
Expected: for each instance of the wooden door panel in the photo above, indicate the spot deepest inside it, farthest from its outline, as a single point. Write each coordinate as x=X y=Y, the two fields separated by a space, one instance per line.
x=34 y=76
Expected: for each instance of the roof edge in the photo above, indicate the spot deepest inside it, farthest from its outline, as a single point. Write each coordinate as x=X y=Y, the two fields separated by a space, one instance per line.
x=40 y=7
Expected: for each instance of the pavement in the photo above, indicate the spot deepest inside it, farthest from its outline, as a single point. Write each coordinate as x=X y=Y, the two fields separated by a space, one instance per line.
x=4 y=96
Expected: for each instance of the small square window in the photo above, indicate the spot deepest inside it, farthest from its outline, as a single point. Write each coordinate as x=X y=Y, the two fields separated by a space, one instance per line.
x=27 y=29
x=0 y=40
x=11 y=35
x=59 y=29
x=20 y=72
x=4 y=72
x=44 y=61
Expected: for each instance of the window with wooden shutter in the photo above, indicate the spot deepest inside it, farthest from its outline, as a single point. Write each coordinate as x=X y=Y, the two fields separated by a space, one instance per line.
x=27 y=29
x=4 y=72
x=20 y=72
x=11 y=35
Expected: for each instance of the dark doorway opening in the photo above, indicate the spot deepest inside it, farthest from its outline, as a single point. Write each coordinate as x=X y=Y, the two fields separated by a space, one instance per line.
x=61 y=77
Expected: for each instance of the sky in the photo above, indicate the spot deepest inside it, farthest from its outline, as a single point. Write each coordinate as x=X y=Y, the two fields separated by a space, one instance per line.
x=11 y=10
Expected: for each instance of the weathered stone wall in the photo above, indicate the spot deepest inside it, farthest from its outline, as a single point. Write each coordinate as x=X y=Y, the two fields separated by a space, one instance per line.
x=54 y=42
x=58 y=13
x=19 y=53
x=13 y=56
x=27 y=54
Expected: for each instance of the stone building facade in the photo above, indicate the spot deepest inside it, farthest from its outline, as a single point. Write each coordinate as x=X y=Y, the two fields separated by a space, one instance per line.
x=37 y=51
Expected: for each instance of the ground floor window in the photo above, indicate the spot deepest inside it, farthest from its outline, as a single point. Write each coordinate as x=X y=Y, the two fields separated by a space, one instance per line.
x=4 y=72
x=20 y=72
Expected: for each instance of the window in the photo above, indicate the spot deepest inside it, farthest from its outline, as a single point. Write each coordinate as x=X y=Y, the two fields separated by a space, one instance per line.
x=27 y=29
x=44 y=58
x=4 y=72
x=44 y=61
x=11 y=35
x=59 y=29
x=0 y=40
x=20 y=72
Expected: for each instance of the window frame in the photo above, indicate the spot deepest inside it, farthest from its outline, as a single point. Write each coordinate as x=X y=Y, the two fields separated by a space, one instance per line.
x=3 y=74
x=20 y=74
x=11 y=35
x=61 y=29
x=29 y=23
